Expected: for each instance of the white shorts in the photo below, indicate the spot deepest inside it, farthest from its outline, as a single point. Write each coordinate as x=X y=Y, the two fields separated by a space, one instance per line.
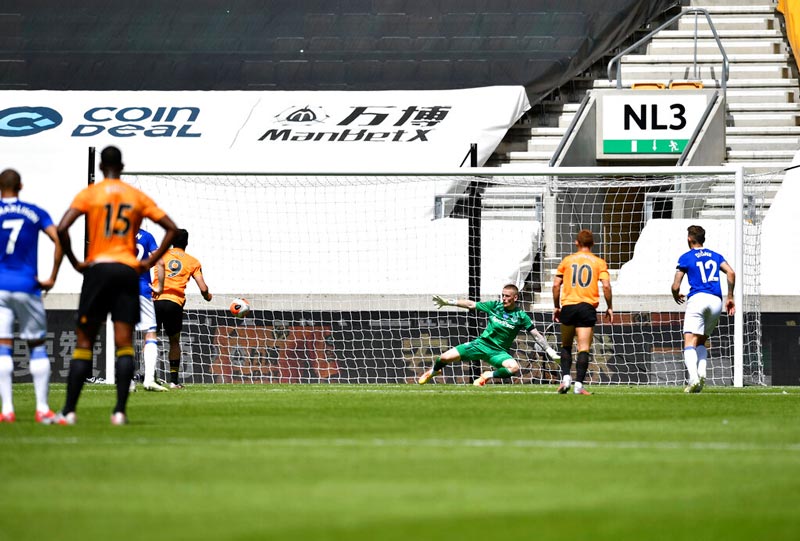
x=147 y=315
x=702 y=314
x=28 y=309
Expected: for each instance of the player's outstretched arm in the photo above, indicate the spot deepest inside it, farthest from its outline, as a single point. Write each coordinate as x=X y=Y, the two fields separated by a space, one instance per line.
x=203 y=287
x=441 y=302
x=730 y=305
x=160 y=275
x=676 y=287
x=58 y=256
x=608 y=296
x=461 y=303
x=541 y=341
x=67 y=220
x=170 y=230
x=557 y=297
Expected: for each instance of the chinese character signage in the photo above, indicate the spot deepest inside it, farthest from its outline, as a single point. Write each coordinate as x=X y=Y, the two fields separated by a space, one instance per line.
x=380 y=131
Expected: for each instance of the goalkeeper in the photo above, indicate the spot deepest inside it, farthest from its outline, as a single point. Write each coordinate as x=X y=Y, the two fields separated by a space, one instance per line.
x=505 y=322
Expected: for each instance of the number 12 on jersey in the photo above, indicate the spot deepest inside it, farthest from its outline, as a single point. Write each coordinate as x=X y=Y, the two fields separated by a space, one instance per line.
x=711 y=266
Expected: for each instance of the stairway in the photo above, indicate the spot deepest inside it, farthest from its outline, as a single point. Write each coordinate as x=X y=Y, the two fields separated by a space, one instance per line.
x=763 y=117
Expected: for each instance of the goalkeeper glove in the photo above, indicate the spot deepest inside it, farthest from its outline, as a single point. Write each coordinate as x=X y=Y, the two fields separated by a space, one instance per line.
x=441 y=301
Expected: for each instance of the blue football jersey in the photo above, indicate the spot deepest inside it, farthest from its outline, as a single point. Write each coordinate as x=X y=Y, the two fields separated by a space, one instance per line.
x=702 y=268
x=145 y=245
x=20 y=224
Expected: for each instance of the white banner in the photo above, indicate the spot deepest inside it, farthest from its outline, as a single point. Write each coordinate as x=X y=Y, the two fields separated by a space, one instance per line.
x=379 y=131
x=45 y=135
x=261 y=131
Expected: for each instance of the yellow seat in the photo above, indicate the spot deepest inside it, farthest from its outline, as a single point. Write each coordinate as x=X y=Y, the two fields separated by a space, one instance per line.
x=685 y=85
x=648 y=86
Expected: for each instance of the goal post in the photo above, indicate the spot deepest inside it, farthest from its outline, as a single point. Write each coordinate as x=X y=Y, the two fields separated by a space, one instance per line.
x=738 y=296
x=340 y=268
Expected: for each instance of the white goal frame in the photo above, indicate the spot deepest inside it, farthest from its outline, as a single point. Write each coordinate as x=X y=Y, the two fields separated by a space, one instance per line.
x=621 y=304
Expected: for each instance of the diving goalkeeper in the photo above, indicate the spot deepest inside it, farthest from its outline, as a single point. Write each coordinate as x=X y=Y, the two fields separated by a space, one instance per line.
x=505 y=322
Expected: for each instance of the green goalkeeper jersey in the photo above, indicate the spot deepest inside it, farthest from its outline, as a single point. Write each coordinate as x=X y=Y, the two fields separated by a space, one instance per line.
x=503 y=325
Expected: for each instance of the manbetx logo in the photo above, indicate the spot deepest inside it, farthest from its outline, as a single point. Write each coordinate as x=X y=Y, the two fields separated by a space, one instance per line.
x=366 y=123
x=308 y=115
x=24 y=121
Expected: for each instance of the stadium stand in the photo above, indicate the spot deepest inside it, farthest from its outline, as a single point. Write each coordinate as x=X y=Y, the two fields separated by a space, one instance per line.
x=310 y=45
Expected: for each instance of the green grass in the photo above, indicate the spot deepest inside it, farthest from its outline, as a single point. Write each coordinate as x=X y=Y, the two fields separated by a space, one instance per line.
x=406 y=462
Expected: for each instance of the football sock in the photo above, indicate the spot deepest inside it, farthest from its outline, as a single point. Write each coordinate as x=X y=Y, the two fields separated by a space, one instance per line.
x=174 y=367
x=124 y=374
x=690 y=359
x=438 y=364
x=502 y=373
x=566 y=361
x=150 y=354
x=582 y=366
x=40 y=371
x=702 y=355
x=79 y=369
x=6 y=370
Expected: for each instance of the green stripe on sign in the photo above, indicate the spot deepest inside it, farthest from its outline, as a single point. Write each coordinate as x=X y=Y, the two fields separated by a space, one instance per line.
x=644 y=146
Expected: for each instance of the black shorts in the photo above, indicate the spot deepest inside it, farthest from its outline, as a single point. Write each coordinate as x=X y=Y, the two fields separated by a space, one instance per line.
x=582 y=314
x=169 y=316
x=109 y=288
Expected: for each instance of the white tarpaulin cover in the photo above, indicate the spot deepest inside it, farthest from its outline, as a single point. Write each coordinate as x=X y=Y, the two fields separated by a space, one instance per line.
x=45 y=135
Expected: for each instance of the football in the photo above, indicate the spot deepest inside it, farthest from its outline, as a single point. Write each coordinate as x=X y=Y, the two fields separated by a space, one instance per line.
x=240 y=307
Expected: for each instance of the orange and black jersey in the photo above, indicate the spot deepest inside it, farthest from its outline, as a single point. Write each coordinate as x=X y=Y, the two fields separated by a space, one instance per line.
x=179 y=267
x=114 y=212
x=581 y=273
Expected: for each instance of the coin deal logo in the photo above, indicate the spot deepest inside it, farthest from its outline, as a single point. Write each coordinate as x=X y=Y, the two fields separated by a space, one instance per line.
x=24 y=121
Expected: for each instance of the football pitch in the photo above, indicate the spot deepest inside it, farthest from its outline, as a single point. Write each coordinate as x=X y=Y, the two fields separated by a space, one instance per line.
x=393 y=462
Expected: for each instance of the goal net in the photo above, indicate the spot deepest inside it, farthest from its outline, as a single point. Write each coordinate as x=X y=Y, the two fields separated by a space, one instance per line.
x=340 y=269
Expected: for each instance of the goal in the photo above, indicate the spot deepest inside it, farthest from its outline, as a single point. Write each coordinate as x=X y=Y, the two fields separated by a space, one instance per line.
x=340 y=268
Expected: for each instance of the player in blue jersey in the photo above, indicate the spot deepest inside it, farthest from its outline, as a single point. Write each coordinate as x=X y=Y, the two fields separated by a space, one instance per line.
x=146 y=245
x=21 y=293
x=702 y=267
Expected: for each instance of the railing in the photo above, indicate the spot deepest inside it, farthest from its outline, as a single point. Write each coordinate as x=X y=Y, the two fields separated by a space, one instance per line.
x=572 y=125
x=533 y=205
x=650 y=199
x=699 y=128
x=696 y=11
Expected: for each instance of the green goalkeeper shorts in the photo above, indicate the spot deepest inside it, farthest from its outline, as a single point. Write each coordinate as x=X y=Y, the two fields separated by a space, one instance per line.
x=481 y=350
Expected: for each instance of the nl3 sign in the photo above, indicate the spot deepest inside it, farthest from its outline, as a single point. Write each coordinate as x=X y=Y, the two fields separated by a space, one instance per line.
x=641 y=122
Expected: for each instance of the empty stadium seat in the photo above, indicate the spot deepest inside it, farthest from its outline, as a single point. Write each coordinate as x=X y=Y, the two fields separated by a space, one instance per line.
x=685 y=85
x=648 y=86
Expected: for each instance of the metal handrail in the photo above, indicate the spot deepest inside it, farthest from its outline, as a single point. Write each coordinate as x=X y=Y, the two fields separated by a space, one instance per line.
x=441 y=203
x=648 y=37
x=562 y=143
x=696 y=133
x=750 y=208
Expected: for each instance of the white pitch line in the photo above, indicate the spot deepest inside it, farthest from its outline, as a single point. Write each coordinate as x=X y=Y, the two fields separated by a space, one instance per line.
x=410 y=443
x=440 y=389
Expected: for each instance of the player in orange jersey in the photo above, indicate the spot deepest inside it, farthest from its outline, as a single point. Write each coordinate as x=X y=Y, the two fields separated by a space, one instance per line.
x=179 y=267
x=114 y=210
x=576 y=297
